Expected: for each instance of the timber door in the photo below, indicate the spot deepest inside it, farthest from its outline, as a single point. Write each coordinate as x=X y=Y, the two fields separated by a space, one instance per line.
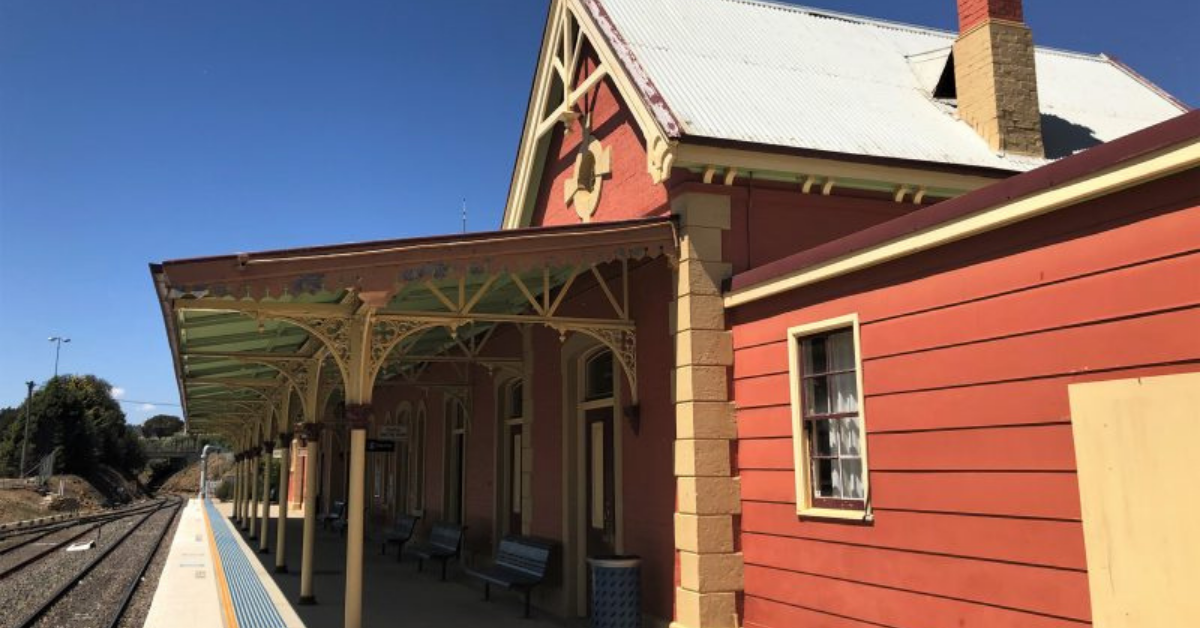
x=512 y=460
x=514 y=440
x=600 y=509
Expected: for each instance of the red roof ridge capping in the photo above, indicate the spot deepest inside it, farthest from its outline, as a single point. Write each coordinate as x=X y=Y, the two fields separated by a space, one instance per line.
x=1151 y=139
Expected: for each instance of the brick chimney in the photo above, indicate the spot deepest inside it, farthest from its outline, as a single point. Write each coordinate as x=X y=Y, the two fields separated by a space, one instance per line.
x=995 y=77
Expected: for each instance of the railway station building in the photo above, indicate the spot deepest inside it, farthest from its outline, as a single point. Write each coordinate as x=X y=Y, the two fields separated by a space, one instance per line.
x=831 y=321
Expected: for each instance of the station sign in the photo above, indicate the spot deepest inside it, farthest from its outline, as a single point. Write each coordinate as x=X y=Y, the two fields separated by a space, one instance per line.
x=393 y=432
x=380 y=446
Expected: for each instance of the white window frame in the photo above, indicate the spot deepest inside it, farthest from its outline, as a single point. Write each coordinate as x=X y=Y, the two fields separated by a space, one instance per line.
x=800 y=445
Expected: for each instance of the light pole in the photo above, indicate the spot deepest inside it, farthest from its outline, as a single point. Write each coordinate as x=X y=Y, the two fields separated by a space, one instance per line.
x=25 y=442
x=58 y=343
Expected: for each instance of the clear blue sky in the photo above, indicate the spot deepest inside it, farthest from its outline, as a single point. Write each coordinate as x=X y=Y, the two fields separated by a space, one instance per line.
x=133 y=132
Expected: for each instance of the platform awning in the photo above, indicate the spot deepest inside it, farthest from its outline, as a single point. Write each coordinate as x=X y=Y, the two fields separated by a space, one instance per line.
x=245 y=329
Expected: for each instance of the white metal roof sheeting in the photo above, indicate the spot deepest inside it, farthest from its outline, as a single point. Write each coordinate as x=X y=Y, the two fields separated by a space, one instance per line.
x=796 y=77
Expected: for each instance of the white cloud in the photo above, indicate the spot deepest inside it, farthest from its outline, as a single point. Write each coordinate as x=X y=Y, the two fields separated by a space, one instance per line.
x=118 y=392
x=147 y=407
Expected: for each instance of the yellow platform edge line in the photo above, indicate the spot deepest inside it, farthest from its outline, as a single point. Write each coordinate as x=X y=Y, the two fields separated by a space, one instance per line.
x=222 y=584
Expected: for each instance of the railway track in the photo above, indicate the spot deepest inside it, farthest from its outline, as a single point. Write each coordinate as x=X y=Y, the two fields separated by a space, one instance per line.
x=52 y=587
x=19 y=547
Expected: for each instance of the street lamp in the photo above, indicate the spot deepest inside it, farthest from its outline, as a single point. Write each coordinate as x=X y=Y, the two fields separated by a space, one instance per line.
x=58 y=343
x=25 y=441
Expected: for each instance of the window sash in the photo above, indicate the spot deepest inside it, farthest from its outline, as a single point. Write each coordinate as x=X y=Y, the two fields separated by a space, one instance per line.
x=830 y=400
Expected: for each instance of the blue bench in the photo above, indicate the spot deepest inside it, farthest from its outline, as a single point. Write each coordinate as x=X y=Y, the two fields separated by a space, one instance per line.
x=401 y=533
x=520 y=565
x=336 y=514
x=443 y=543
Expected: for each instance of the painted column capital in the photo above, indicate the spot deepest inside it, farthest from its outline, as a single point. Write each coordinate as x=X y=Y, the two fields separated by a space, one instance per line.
x=309 y=431
x=358 y=415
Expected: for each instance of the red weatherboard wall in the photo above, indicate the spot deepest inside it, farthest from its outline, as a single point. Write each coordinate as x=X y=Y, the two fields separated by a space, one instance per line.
x=628 y=192
x=968 y=351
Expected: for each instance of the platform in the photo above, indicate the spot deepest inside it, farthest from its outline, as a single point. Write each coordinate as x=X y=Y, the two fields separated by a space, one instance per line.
x=212 y=579
x=394 y=595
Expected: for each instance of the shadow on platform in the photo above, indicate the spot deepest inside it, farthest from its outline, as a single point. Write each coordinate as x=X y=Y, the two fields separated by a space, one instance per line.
x=394 y=594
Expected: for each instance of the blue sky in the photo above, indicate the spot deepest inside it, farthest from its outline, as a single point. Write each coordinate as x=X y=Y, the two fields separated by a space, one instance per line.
x=133 y=132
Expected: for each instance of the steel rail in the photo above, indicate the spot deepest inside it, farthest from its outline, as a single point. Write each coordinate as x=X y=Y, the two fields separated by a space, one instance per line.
x=141 y=574
x=95 y=523
x=33 y=616
x=53 y=526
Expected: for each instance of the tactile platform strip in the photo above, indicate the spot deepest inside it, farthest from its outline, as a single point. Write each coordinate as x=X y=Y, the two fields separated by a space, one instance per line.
x=251 y=604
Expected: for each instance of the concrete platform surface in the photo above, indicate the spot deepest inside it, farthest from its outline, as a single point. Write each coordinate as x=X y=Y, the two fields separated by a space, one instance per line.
x=205 y=587
x=394 y=595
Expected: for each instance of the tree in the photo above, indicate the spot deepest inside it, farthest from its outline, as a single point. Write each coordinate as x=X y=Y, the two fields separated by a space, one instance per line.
x=76 y=417
x=161 y=426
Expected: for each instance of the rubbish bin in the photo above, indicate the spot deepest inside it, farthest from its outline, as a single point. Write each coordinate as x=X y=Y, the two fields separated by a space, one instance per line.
x=616 y=591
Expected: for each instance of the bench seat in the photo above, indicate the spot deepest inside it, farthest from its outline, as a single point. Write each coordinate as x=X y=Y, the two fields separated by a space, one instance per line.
x=400 y=534
x=444 y=542
x=502 y=576
x=334 y=516
x=520 y=564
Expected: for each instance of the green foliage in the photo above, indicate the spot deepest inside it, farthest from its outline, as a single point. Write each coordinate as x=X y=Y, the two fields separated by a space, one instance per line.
x=160 y=470
x=224 y=490
x=162 y=426
x=76 y=417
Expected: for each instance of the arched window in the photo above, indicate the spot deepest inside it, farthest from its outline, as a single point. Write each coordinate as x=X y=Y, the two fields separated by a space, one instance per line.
x=598 y=376
x=514 y=399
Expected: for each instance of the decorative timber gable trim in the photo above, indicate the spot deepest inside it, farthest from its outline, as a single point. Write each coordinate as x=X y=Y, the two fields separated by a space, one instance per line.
x=552 y=100
x=557 y=89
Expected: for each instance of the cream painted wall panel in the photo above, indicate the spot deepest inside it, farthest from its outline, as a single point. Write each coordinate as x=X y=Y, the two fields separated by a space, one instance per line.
x=1136 y=444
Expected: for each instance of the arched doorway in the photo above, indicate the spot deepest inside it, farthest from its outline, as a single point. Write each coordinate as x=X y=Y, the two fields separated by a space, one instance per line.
x=598 y=417
x=593 y=470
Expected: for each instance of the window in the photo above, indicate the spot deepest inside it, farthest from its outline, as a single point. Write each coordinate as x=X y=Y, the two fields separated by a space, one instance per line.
x=598 y=376
x=830 y=443
x=514 y=400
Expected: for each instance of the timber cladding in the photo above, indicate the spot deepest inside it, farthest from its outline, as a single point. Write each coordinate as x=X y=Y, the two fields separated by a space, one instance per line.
x=967 y=354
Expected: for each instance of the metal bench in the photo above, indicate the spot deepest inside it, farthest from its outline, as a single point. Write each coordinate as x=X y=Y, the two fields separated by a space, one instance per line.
x=520 y=565
x=443 y=543
x=336 y=514
x=401 y=532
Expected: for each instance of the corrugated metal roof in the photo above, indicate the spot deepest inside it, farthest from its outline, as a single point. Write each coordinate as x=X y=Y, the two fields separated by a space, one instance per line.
x=797 y=77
